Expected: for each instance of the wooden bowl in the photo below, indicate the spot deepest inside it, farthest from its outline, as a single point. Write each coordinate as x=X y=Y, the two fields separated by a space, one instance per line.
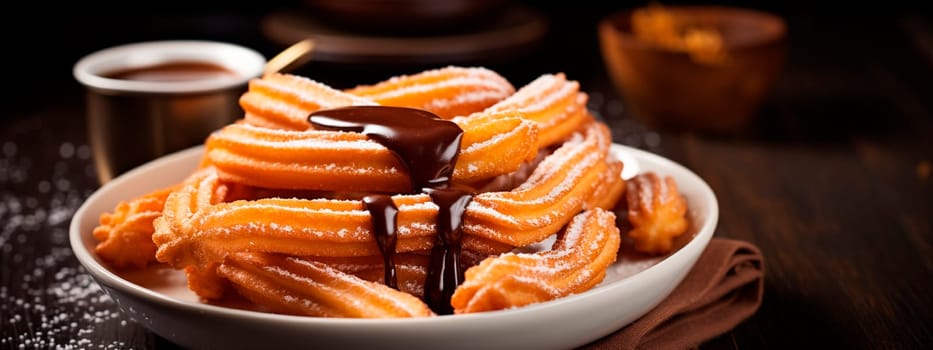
x=668 y=88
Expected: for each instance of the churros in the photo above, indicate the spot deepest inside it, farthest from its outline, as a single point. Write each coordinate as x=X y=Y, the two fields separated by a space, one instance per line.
x=555 y=191
x=493 y=223
x=125 y=234
x=319 y=203
x=657 y=212
x=283 y=101
x=554 y=102
x=447 y=92
x=297 y=286
x=341 y=161
x=411 y=269
x=577 y=262
x=611 y=188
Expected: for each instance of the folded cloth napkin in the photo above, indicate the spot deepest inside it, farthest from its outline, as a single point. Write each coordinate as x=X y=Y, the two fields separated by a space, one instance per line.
x=724 y=288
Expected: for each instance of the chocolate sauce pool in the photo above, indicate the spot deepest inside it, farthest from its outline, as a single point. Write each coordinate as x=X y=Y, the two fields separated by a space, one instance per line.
x=427 y=145
x=428 y=148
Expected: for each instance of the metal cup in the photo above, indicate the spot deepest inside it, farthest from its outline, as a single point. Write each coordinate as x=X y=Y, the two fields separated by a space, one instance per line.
x=135 y=115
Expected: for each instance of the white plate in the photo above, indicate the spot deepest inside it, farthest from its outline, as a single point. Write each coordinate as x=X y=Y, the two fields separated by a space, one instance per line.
x=158 y=299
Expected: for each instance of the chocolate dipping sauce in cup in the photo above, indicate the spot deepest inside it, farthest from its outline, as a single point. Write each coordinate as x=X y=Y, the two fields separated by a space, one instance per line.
x=148 y=99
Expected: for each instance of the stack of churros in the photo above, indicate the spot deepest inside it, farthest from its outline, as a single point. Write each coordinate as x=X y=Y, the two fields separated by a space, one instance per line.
x=413 y=197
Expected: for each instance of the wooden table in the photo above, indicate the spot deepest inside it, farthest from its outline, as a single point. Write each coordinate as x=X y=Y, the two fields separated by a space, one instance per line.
x=833 y=183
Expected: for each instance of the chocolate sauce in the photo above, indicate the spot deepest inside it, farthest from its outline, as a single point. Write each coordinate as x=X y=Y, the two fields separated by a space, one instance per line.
x=173 y=71
x=427 y=147
x=384 y=214
x=445 y=272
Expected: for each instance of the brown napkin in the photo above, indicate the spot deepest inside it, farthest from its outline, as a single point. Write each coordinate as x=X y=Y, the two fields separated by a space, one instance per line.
x=724 y=288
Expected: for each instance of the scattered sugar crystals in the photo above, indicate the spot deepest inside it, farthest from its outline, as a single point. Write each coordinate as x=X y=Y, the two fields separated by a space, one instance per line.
x=47 y=300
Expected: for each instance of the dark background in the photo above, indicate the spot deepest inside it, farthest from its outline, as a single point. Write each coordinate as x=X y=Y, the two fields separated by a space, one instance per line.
x=43 y=40
x=829 y=182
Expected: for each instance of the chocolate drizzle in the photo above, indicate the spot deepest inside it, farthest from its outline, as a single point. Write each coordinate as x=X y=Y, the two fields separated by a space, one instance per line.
x=384 y=214
x=445 y=272
x=427 y=147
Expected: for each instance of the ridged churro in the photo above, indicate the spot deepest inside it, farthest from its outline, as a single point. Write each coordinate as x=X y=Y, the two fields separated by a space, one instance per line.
x=555 y=191
x=657 y=212
x=448 y=92
x=125 y=234
x=292 y=285
x=610 y=190
x=342 y=161
x=283 y=101
x=554 y=102
x=577 y=262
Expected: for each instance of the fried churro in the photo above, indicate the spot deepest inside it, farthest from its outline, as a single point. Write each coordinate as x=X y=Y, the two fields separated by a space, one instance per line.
x=577 y=262
x=371 y=202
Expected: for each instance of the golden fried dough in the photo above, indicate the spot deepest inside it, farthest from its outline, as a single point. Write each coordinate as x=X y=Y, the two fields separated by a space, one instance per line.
x=577 y=262
x=657 y=212
x=297 y=286
x=448 y=92
x=344 y=161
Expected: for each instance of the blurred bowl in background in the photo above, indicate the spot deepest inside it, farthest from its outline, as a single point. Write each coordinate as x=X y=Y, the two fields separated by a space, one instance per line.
x=513 y=32
x=403 y=16
x=672 y=87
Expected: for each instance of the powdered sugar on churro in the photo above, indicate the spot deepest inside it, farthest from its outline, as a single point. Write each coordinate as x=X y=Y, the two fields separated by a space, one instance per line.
x=477 y=97
x=586 y=247
x=538 y=95
x=275 y=161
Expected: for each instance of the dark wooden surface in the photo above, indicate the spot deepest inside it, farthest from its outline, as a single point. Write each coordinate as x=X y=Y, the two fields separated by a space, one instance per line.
x=833 y=182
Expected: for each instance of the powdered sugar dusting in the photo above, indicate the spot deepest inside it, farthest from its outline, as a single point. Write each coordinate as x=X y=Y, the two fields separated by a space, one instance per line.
x=490 y=90
x=492 y=206
x=643 y=189
x=469 y=78
x=474 y=97
x=490 y=142
x=309 y=143
x=547 y=100
x=546 y=170
x=528 y=93
x=310 y=92
x=366 y=292
x=549 y=274
x=223 y=221
x=292 y=140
